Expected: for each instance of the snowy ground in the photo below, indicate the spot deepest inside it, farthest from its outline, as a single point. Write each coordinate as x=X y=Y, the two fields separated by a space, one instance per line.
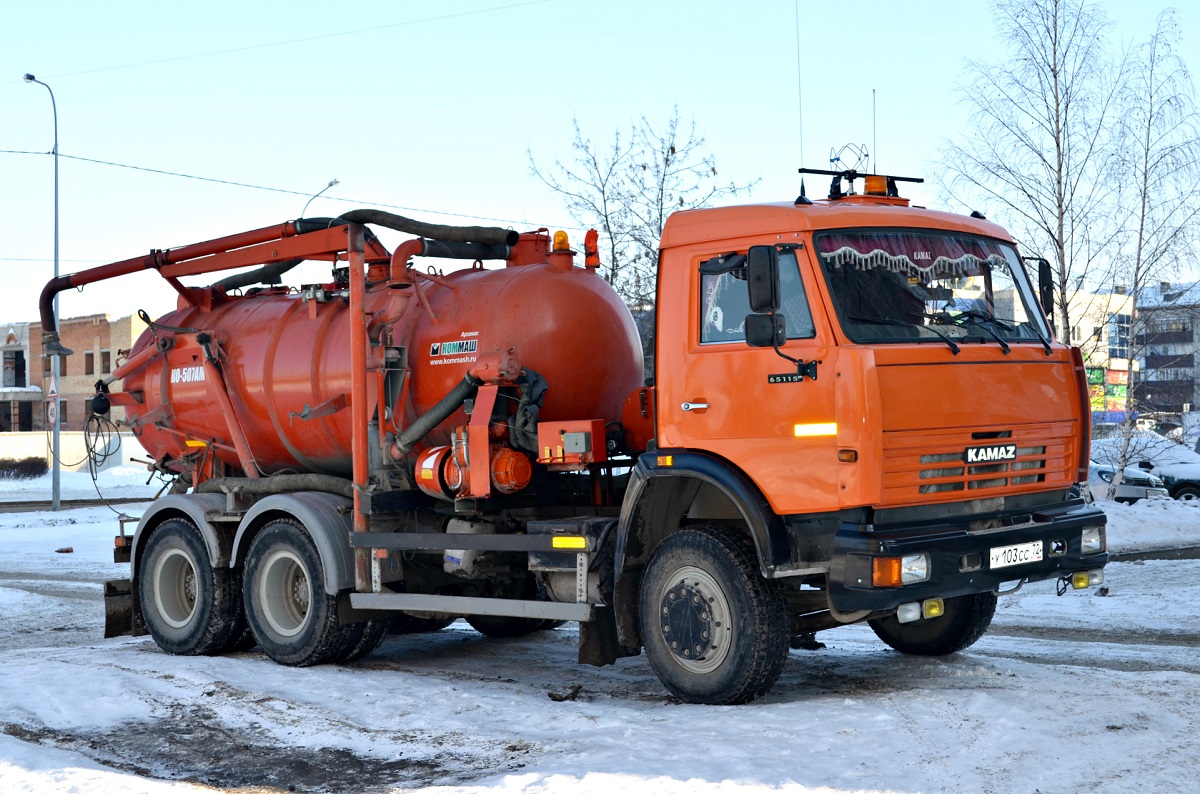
x=120 y=482
x=1064 y=693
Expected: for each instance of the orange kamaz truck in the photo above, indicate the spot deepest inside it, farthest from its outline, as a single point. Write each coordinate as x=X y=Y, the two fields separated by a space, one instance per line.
x=858 y=413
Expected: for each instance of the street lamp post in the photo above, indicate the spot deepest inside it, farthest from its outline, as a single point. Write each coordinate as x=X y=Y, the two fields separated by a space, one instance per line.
x=332 y=182
x=55 y=488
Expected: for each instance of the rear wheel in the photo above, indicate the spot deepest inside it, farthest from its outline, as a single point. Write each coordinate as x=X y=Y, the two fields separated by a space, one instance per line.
x=505 y=626
x=293 y=619
x=364 y=638
x=965 y=621
x=408 y=623
x=501 y=626
x=715 y=630
x=190 y=607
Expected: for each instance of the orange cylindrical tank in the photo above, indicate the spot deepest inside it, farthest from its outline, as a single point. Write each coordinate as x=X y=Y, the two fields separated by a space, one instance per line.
x=286 y=361
x=569 y=326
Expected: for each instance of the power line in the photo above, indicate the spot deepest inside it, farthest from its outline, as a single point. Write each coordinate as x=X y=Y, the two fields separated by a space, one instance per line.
x=304 y=193
x=301 y=40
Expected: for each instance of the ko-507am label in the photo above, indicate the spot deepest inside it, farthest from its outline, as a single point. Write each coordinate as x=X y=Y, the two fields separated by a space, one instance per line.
x=187 y=374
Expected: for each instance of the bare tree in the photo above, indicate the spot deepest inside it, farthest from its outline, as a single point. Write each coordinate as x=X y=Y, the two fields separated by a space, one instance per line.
x=595 y=190
x=1038 y=153
x=1160 y=158
x=627 y=190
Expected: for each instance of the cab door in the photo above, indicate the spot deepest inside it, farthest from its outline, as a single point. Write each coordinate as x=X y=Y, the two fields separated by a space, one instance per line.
x=748 y=405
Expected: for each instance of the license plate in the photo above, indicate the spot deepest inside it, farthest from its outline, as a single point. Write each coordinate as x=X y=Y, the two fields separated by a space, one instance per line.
x=1021 y=553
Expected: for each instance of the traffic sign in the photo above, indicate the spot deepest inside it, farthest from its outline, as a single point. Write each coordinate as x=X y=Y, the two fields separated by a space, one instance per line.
x=52 y=392
x=52 y=413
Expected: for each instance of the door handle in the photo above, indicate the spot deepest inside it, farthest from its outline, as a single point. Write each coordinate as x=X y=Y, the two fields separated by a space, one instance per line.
x=694 y=406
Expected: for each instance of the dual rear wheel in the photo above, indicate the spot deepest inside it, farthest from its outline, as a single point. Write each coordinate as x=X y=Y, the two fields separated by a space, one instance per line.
x=193 y=608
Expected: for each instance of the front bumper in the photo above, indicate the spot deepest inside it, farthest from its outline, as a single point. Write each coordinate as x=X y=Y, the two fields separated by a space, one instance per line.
x=959 y=557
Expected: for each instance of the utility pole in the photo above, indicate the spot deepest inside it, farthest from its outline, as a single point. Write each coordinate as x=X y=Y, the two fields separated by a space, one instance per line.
x=56 y=418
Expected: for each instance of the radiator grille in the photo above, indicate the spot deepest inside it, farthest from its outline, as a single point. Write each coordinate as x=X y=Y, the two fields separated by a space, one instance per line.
x=924 y=464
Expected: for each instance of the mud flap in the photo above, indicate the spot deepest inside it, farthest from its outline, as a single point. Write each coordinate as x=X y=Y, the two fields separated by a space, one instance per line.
x=598 y=643
x=118 y=608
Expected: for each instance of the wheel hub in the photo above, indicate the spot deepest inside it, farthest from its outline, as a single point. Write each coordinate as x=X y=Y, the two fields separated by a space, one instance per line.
x=686 y=621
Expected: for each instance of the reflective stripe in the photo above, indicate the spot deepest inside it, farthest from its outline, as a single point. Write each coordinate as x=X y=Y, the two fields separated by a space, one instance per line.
x=816 y=429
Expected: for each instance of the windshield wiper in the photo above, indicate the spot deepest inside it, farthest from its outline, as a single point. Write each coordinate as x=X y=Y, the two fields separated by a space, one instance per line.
x=988 y=318
x=980 y=318
x=888 y=321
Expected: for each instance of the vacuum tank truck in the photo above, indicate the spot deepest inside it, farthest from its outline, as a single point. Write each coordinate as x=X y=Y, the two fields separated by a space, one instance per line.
x=858 y=413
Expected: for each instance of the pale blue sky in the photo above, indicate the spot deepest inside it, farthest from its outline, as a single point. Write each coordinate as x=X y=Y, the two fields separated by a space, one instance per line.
x=432 y=106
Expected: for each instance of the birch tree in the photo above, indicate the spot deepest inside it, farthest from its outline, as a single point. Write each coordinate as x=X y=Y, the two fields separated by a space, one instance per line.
x=1160 y=169
x=1039 y=154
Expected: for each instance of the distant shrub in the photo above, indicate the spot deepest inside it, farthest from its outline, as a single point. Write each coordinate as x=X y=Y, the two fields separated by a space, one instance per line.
x=23 y=469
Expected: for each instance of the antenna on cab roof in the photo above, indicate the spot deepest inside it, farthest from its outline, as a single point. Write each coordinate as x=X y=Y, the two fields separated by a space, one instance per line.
x=876 y=185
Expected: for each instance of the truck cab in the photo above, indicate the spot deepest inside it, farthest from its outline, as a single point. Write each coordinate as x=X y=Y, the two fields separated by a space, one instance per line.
x=872 y=392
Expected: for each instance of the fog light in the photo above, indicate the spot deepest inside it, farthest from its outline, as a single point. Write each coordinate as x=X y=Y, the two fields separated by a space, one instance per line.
x=933 y=608
x=1083 y=579
x=1092 y=540
x=907 y=613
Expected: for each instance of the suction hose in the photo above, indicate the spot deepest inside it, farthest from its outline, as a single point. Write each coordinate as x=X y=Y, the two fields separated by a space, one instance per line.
x=280 y=483
x=427 y=421
x=485 y=242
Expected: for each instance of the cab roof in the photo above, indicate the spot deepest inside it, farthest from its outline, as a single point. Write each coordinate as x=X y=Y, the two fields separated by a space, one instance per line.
x=726 y=223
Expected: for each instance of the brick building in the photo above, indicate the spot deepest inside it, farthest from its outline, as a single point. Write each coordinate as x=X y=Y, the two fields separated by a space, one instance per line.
x=98 y=343
x=19 y=401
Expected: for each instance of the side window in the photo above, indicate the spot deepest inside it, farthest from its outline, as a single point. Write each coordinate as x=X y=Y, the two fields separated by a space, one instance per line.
x=724 y=304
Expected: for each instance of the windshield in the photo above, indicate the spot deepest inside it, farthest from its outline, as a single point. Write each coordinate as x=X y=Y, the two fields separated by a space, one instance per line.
x=919 y=285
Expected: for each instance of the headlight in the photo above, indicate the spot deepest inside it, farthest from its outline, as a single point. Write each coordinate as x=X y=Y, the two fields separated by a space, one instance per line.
x=914 y=568
x=1092 y=540
x=1104 y=474
x=898 y=571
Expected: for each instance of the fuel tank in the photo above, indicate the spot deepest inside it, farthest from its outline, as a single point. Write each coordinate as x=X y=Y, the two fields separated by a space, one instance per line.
x=285 y=361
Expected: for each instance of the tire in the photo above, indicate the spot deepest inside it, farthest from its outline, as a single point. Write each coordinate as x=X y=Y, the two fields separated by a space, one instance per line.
x=364 y=638
x=190 y=607
x=405 y=623
x=715 y=631
x=1187 y=493
x=965 y=621
x=294 y=620
x=502 y=626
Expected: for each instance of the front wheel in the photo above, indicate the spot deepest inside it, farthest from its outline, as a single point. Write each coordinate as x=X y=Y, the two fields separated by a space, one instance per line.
x=293 y=619
x=965 y=621
x=190 y=607
x=1187 y=493
x=715 y=630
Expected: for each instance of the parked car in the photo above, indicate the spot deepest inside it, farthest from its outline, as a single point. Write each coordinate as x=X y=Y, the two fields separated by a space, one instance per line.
x=1175 y=464
x=1135 y=484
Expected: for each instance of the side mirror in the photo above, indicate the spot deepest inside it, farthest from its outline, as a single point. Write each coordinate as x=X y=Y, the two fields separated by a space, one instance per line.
x=1046 y=288
x=762 y=279
x=1145 y=465
x=765 y=330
